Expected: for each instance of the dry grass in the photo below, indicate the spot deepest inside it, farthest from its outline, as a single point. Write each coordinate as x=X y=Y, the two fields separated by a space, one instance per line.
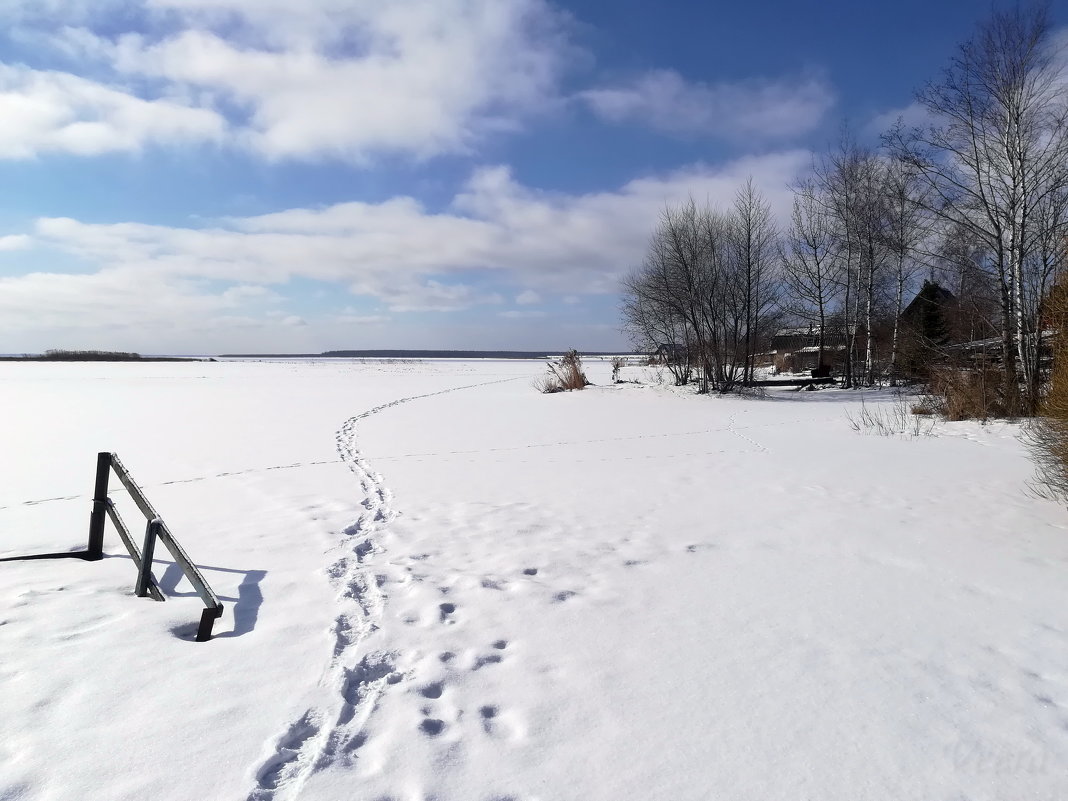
x=898 y=420
x=564 y=374
x=965 y=394
x=1047 y=435
x=547 y=384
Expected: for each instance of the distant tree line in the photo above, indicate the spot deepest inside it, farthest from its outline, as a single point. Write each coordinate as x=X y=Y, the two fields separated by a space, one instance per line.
x=975 y=201
x=96 y=356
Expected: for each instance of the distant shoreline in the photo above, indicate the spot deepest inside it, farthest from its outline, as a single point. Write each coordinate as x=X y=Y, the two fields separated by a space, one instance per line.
x=418 y=354
x=110 y=356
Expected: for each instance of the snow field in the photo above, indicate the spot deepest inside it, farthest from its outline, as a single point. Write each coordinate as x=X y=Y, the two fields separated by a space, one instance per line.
x=485 y=593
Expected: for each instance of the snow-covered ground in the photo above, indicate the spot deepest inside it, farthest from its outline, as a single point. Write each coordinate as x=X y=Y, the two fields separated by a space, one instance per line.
x=440 y=584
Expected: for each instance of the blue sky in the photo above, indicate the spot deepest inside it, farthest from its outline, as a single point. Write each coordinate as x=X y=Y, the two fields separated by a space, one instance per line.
x=204 y=176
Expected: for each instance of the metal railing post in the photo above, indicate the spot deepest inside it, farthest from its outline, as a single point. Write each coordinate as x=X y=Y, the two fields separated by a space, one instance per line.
x=144 y=572
x=95 y=549
x=106 y=463
x=207 y=620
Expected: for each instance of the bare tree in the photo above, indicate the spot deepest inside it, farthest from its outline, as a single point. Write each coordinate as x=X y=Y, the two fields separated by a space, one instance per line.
x=755 y=246
x=727 y=301
x=665 y=297
x=811 y=273
x=651 y=319
x=849 y=183
x=709 y=278
x=906 y=229
x=992 y=159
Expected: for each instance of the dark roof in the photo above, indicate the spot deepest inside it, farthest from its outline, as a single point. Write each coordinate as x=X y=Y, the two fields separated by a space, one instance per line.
x=930 y=295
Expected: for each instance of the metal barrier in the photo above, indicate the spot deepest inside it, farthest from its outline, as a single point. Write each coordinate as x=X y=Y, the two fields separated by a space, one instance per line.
x=146 y=586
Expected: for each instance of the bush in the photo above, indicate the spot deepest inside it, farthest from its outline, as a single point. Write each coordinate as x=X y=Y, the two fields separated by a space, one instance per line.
x=965 y=394
x=564 y=374
x=1047 y=434
x=548 y=384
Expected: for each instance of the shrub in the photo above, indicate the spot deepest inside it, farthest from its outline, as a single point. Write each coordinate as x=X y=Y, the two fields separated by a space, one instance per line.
x=1047 y=434
x=547 y=384
x=966 y=394
x=563 y=374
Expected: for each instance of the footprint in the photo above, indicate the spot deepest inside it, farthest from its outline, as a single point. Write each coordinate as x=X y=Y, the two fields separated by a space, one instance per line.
x=700 y=546
x=488 y=713
x=489 y=659
x=433 y=690
x=560 y=597
x=500 y=645
x=498 y=726
x=289 y=750
x=446 y=656
x=446 y=611
x=432 y=727
x=530 y=571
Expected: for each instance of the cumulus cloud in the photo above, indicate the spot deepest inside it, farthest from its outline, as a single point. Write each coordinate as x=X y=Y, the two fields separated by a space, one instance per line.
x=15 y=242
x=111 y=297
x=321 y=78
x=45 y=111
x=495 y=233
x=763 y=109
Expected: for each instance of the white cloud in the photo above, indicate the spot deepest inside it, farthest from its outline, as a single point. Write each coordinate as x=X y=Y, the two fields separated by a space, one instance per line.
x=294 y=321
x=764 y=109
x=411 y=258
x=44 y=111
x=495 y=234
x=527 y=297
x=518 y=314
x=914 y=115
x=119 y=297
x=347 y=80
x=15 y=242
x=362 y=319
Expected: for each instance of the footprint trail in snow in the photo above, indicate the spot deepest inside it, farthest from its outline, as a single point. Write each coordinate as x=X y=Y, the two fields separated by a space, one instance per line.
x=330 y=731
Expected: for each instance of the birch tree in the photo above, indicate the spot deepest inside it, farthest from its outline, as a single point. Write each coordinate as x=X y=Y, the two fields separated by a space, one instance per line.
x=993 y=158
x=812 y=278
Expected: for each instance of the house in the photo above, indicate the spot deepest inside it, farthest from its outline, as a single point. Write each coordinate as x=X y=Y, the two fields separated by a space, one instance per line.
x=930 y=314
x=927 y=330
x=796 y=350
